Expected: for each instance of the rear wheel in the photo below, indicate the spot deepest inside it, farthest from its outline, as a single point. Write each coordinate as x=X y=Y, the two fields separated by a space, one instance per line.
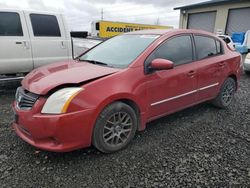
x=115 y=127
x=226 y=95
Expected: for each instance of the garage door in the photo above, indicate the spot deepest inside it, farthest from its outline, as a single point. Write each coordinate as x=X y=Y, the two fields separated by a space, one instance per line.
x=204 y=21
x=238 y=20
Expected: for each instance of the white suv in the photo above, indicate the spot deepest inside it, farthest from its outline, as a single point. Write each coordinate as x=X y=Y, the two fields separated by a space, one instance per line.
x=246 y=63
x=228 y=40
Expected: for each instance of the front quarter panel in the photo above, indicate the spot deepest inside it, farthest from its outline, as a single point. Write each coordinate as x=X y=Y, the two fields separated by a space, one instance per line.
x=129 y=84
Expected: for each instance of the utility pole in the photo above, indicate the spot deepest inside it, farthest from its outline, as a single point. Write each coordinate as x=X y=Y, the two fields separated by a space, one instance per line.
x=102 y=14
x=157 y=21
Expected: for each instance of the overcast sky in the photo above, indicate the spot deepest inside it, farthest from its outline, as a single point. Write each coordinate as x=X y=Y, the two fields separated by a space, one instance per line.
x=80 y=13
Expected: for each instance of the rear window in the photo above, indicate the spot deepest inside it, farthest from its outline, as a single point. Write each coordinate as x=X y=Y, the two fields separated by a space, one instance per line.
x=10 y=24
x=45 y=25
x=205 y=46
x=97 y=26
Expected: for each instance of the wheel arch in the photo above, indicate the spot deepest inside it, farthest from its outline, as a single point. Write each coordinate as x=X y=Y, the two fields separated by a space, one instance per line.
x=136 y=108
x=233 y=76
x=129 y=100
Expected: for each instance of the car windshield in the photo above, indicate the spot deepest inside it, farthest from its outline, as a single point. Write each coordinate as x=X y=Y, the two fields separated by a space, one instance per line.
x=119 y=51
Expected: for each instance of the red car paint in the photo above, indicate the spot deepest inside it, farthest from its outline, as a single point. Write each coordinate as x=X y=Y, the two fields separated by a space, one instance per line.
x=155 y=95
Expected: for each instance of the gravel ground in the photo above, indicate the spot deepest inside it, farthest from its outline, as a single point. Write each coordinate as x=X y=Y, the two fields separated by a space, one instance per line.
x=199 y=147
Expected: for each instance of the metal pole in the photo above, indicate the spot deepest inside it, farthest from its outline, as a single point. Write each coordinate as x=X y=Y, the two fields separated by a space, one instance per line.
x=11 y=79
x=102 y=14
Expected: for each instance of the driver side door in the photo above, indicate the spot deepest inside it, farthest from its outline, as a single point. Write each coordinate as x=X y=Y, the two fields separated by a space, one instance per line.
x=174 y=89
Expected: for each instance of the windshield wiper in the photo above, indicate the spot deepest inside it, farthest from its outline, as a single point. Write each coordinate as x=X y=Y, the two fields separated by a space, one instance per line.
x=95 y=62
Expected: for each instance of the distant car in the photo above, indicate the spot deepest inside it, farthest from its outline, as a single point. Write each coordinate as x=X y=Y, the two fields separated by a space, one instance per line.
x=228 y=40
x=246 y=63
x=114 y=89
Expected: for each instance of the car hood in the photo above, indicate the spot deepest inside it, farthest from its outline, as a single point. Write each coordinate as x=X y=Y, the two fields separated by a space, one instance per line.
x=42 y=80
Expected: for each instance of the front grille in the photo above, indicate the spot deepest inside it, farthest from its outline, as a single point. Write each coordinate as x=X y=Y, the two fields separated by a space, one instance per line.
x=25 y=99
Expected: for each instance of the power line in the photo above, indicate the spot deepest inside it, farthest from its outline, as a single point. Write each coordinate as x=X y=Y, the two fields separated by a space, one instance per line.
x=131 y=4
x=102 y=14
x=115 y=18
x=115 y=6
x=137 y=15
x=124 y=9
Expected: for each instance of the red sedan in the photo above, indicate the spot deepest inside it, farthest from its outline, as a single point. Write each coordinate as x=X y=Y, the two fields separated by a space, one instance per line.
x=114 y=89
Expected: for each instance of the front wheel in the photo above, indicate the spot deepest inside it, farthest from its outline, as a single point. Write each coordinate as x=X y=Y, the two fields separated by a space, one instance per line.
x=114 y=128
x=226 y=95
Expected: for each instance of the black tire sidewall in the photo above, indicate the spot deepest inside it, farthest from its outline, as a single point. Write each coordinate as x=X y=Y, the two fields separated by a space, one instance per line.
x=219 y=99
x=97 y=138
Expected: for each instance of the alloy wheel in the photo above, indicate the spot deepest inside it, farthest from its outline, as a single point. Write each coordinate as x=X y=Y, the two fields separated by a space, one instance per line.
x=117 y=129
x=228 y=93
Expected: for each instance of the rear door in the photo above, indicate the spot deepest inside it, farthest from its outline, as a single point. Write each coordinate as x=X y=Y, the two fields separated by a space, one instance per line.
x=174 y=89
x=48 y=38
x=15 y=50
x=210 y=64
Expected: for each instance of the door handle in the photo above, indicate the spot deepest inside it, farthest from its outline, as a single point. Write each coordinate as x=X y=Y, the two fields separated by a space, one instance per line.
x=63 y=45
x=24 y=43
x=191 y=73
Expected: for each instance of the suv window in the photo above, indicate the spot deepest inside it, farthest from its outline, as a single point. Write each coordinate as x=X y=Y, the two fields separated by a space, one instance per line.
x=227 y=40
x=178 y=49
x=45 y=25
x=206 y=47
x=10 y=24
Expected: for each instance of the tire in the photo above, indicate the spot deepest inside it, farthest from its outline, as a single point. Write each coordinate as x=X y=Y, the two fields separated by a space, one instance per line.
x=247 y=72
x=226 y=95
x=114 y=128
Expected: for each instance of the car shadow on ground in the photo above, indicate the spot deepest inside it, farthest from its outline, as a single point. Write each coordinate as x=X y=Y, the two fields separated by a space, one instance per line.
x=9 y=87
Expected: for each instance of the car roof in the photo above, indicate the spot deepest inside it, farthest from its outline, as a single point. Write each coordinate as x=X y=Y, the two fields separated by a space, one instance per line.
x=29 y=10
x=168 y=31
x=150 y=32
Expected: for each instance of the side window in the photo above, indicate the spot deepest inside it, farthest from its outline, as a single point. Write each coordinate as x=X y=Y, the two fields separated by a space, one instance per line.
x=45 y=25
x=205 y=46
x=178 y=49
x=97 y=26
x=10 y=24
x=227 y=40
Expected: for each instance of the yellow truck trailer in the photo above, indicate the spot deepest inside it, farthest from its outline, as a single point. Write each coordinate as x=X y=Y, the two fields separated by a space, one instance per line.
x=107 y=29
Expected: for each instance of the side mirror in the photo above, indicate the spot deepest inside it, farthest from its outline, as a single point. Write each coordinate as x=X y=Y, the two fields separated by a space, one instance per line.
x=161 y=64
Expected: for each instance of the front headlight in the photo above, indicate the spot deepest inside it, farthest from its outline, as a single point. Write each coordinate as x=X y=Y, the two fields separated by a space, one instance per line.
x=59 y=101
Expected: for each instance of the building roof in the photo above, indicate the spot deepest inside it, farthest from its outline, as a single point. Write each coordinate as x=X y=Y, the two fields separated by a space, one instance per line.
x=208 y=3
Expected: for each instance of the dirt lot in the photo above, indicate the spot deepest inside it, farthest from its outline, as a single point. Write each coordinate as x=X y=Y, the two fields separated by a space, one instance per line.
x=200 y=146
